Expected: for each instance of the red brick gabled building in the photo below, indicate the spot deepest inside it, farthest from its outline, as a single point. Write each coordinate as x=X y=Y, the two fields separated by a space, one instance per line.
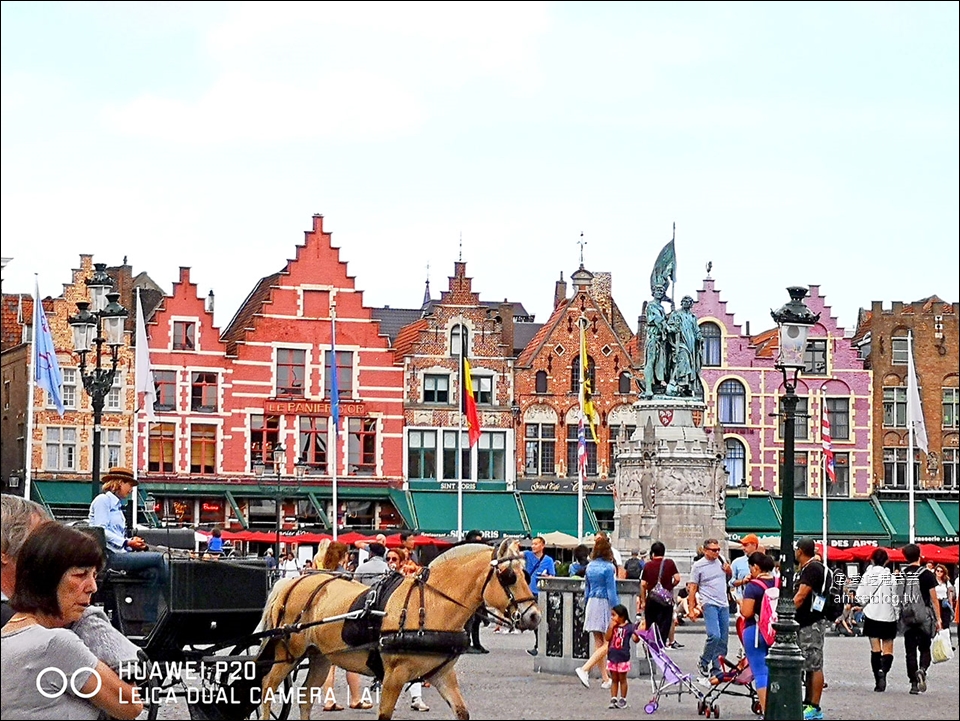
x=266 y=382
x=547 y=388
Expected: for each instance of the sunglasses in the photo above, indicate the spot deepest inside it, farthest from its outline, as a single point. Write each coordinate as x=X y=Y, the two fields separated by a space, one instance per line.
x=711 y=549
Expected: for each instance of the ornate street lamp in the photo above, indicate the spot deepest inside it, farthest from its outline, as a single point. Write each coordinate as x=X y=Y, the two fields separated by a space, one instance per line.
x=279 y=461
x=785 y=660
x=104 y=325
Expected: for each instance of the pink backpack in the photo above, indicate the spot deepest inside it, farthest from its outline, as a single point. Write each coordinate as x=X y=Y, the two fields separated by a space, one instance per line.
x=768 y=613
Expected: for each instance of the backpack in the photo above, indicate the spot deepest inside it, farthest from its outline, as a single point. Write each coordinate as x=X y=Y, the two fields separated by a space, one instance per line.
x=913 y=612
x=633 y=567
x=833 y=596
x=768 y=613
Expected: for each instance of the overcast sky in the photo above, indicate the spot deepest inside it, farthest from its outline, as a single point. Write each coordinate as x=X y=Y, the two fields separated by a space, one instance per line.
x=792 y=144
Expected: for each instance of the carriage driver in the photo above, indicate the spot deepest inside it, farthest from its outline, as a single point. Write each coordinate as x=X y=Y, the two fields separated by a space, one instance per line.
x=126 y=554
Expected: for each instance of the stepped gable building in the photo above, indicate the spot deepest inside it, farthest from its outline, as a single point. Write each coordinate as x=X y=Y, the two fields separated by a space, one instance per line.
x=429 y=350
x=548 y=385
x=883 y=337
x=743 y=390
x=273 y=389
x=60 y=452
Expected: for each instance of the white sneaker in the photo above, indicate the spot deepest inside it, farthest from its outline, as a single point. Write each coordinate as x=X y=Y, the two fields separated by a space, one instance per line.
x=584 y=678
x=607 y=684
x=419 y=705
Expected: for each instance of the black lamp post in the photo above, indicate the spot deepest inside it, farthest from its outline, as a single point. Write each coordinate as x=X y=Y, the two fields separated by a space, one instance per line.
x=259 y=470
x=91 y=330
x=785 y=660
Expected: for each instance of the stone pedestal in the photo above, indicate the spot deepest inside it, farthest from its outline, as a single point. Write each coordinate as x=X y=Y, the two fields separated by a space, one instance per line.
x=671 y=481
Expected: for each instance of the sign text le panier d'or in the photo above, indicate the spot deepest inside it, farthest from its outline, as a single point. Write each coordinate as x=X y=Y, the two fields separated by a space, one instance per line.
x=313 y=408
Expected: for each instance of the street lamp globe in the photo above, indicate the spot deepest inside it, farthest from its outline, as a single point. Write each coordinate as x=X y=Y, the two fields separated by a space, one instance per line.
x=113 y=316
x=100 y=284
x=794 y=320
x=84 y=327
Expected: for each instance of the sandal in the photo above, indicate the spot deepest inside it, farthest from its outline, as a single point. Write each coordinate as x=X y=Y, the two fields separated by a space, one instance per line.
x=335 y=707
x=361 y=705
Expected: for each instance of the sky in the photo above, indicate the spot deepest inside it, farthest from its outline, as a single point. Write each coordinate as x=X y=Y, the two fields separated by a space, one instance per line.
x=791 y=143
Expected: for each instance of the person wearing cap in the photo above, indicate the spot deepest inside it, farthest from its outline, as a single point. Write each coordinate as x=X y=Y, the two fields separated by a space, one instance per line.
x=126 y=554
x=740 y=567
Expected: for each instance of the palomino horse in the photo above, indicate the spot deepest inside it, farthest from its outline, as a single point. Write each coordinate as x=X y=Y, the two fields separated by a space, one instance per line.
x=421 y=636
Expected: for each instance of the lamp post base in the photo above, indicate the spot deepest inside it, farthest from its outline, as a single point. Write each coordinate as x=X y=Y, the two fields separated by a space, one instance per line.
x=785 y=664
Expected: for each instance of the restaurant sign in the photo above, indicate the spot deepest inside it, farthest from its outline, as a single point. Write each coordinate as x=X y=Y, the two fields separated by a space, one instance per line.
x=565 y=485
x=313 y=408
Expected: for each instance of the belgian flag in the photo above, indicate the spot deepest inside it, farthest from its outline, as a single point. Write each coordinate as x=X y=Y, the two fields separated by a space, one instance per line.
x=468 y=403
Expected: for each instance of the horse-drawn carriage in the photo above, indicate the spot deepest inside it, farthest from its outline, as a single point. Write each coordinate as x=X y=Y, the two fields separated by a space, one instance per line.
x=230 y=647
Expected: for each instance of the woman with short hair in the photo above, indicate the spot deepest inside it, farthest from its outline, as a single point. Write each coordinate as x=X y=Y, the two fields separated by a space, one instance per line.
x=876 y=593
x=47 y=670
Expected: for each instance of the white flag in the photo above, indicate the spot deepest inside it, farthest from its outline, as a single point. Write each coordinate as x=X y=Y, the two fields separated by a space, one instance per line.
x=914 y=409
x=145 y=382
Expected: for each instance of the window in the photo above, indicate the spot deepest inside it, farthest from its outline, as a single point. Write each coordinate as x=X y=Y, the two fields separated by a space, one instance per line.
x=541 y=386
x=799 y=473
x=290 y=371
x=69 y=387
x=899 y=351
x=264 y=435
x=110 y=448
x=540 y=443
x=362 y=446
x=114 y=399
x=815 y=357
x=344 y=373
x=801 y=421
x=459 y=341
x=838 y=412
x=894 y=407
x=436 y=389
x=61 y=448
x=422 y=454
x=450 y=455
x=623 y=384
x=711 y=344
x=950 y=403
x=950 y=476
x=166 y=383
x=203 y=449
x=895 y=467
x=203 y=392
x=483 y=390
x=6 y=395
x=732 y=402
x=614 y=435
x=735 y=462
x=184 y=335
x=492 y=456
x=575 y=375
x=841 y=488
x=572 y=443
x=313 y=443
x=161 y=445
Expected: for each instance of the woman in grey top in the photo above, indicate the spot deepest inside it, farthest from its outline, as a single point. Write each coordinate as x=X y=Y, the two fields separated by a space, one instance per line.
x=47 y=671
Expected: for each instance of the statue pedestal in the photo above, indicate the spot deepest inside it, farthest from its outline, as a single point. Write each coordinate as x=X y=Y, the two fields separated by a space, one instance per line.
x=671 y=482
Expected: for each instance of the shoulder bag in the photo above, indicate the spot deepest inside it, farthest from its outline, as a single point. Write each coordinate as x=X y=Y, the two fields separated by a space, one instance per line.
x=658 y=594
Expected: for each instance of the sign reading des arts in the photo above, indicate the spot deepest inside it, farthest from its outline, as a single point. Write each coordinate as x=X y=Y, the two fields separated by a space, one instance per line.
x=565 y=485
x=313 y=408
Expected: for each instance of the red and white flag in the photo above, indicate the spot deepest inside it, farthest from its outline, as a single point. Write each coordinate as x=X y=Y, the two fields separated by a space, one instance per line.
x=827 y=441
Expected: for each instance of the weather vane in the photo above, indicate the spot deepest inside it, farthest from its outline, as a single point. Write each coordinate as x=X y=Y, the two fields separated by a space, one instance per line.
x=581 y=243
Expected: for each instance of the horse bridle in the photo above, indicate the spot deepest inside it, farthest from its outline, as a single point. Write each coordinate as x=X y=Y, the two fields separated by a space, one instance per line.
x=507 y=578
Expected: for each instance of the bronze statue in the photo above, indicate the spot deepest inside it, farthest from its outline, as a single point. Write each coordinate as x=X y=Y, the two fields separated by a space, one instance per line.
x=656 y=357
x=686 y=342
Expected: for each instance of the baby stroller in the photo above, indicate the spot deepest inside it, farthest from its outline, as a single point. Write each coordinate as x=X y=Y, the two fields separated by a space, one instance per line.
x=736 y=680
x=666 y=678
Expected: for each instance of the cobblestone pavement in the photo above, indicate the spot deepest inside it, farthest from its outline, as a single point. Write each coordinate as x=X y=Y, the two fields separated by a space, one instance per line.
x=502 y=685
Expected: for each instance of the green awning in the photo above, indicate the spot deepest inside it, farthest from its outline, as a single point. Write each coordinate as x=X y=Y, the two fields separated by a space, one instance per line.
x=755 y=514
x=244 y=521
x=61 y=493
x=318 y=507
x=932 y=520
x=401 y=501
x=847 y=518
x=601 y=502
x=548 y=512
x=491 y=511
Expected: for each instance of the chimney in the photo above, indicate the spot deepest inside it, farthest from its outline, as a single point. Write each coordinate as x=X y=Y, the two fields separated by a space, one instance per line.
x=506 y=328
x=210 y=302
x=560 y=294
x=748 y=329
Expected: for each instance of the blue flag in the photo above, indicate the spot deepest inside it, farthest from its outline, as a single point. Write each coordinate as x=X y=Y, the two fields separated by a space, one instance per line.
x=334 y=379
x=46 y=368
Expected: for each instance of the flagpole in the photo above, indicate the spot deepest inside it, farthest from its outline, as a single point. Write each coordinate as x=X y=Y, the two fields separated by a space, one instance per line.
x=462 y=400
x=824 y=477
x=335 y=414
x=910 y=478
x=136 y=415
x=28 y=460
x=581 y=467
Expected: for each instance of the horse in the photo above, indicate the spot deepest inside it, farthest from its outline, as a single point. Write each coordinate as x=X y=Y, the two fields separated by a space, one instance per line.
x=421 y=635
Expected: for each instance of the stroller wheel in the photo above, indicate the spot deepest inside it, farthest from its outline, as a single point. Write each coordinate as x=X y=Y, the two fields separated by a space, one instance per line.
x=756 y=708
x=650 y=707
x=706 y=712
x=700 y=707
x=716 y=710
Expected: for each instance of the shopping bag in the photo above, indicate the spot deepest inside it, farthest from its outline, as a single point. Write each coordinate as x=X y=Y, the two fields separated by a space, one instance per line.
x=942 y=649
